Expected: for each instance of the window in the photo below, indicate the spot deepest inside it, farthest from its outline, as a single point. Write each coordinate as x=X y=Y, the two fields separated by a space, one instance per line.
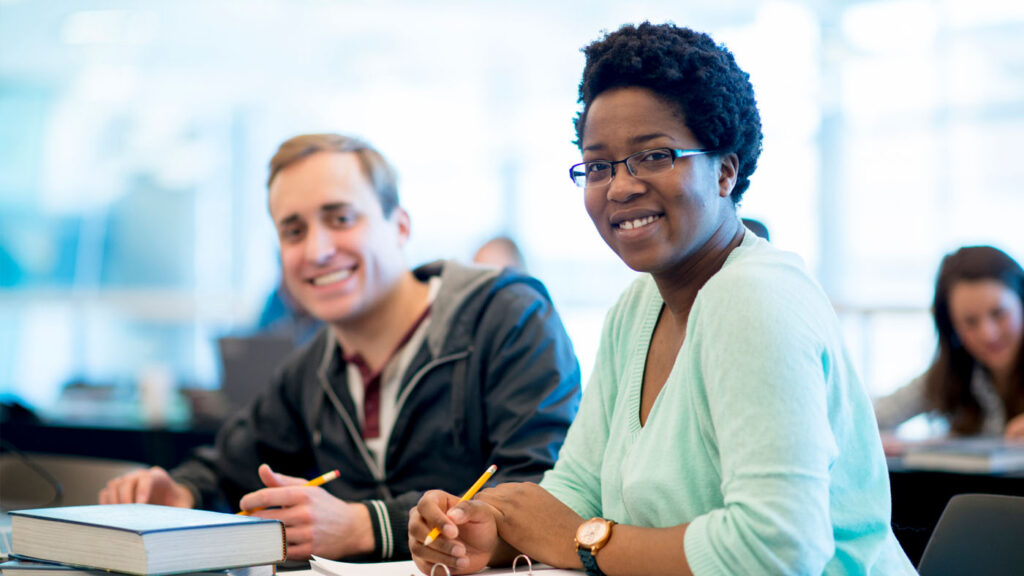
x=134 y=139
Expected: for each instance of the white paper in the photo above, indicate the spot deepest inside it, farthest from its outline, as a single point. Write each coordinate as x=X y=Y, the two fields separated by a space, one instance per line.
x=324 y=567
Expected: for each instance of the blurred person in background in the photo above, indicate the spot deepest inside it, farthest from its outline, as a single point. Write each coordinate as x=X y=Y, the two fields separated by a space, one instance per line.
x=500 y=252
x=976 y=380
x=283 y=315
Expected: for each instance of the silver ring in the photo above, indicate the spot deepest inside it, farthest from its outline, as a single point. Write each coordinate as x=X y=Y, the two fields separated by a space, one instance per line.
x=446 y=570
x=529 y=564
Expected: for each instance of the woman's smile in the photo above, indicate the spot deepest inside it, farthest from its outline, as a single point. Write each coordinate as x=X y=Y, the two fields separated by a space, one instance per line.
x=636 y=223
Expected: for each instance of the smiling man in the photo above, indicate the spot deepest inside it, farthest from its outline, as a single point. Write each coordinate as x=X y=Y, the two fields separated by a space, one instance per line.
x=421 y=378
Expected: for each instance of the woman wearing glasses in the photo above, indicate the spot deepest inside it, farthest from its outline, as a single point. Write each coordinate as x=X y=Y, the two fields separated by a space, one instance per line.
x=724 y=430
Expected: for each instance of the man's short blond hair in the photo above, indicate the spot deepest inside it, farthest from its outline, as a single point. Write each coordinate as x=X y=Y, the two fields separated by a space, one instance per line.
x=380 y=173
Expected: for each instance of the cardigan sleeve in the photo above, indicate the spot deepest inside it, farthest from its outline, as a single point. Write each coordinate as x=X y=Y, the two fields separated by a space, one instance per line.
x=576 y=478
x=768 y=374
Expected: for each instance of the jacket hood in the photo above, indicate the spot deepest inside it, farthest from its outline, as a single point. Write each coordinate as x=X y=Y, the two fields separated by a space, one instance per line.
x=461 y=284
x=466 y=294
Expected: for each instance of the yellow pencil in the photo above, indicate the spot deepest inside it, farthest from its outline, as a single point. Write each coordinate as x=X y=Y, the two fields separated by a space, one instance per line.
x=318 y=481
x=469 y=494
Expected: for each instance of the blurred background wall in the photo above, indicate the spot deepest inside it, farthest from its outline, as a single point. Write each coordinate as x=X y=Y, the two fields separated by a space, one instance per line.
x=134 y=138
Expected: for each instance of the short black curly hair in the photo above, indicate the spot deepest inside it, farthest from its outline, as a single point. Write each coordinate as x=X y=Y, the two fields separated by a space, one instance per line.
x=685 y=68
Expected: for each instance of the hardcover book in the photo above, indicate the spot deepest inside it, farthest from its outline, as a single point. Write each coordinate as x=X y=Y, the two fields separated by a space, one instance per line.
x=145 y=539
x=18 y=567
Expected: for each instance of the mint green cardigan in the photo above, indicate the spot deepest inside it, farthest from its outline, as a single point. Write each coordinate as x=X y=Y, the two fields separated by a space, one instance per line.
x=762 y=438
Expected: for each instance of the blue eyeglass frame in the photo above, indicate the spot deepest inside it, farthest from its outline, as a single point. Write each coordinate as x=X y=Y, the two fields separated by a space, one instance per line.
x=677 y=153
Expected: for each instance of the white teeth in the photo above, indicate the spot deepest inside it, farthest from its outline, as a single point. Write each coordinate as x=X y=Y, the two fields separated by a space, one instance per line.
x=332 y=277
x=631 y=224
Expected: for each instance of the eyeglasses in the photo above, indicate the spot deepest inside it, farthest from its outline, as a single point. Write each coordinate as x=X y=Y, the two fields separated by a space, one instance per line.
x=640 y=165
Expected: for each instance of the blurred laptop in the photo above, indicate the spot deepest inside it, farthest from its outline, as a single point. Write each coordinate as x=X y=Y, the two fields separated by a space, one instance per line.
x=248 y=363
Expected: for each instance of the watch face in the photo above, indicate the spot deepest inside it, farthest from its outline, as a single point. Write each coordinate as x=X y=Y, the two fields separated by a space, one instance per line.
x=592 y=531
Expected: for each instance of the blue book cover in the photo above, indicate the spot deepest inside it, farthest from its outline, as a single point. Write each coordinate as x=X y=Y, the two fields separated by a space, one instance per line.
x=139 y=518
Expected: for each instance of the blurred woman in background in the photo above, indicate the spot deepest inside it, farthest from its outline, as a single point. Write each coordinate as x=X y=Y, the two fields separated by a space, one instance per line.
x=976 y=381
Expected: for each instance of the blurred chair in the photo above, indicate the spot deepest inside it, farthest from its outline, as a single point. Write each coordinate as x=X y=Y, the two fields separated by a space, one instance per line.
x=35 y=480
x=248 y=364
x=977 y=534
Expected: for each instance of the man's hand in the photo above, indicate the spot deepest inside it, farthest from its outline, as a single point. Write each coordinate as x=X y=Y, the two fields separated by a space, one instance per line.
x=153 y=486
x=315 y=521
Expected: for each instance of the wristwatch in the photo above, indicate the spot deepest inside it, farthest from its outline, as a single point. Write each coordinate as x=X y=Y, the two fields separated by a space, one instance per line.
x=591 y=536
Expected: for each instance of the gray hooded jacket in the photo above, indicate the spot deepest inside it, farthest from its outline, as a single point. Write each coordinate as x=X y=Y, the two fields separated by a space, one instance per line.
x=494 y=382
